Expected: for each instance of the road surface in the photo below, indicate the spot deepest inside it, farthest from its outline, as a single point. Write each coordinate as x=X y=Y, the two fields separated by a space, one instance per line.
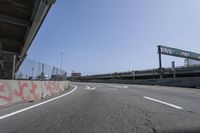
x=108 y=108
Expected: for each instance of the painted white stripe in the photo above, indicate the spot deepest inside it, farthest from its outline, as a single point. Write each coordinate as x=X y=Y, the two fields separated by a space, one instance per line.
x=88 y=88
x=118 y=86
x=168 y=104
x=125 y=86
x=36 y=105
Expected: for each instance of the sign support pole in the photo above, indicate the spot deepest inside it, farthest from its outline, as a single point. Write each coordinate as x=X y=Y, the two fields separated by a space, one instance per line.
x=160 y=62
x=174 y=69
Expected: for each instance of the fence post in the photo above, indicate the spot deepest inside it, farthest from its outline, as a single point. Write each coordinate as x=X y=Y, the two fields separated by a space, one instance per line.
x=42 y=72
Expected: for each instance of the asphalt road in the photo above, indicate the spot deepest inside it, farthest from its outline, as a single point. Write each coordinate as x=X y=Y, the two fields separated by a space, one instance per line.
x=108 y=108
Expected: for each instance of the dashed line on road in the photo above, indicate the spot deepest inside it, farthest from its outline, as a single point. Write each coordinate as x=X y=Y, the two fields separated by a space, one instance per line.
x=125 y=86
x=36 y=105
x=118 y=86
x=165 y=103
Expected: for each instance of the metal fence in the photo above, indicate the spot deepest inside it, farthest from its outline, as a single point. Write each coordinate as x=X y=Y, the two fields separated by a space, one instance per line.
x=31 y=69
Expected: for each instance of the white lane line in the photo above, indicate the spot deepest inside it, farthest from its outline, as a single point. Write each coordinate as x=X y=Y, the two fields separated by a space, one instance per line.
x=125 y=86
x=168 y=104
x=118 y=86
x=89 y=88
x=36 y=105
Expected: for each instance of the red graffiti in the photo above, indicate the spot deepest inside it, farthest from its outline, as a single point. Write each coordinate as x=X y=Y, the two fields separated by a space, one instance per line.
x=52 y=87
x=5 y=95
x=20 y=92
x=31 y=91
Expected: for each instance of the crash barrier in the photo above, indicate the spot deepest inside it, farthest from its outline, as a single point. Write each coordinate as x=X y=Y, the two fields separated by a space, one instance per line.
x=15 y=91
x=190 y=82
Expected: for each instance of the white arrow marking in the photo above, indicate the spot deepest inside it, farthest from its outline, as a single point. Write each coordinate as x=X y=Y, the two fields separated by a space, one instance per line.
x=89 y=88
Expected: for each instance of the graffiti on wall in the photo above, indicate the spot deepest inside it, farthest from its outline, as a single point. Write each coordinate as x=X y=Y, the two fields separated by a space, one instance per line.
x=5 y=95
x=53 y=87
x=27 y=92
x=23 y=91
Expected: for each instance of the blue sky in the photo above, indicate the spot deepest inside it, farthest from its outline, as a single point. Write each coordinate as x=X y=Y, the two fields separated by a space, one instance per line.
x=101 y=36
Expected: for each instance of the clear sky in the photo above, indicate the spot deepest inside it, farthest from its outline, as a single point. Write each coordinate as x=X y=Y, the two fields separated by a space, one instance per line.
x=101 y=36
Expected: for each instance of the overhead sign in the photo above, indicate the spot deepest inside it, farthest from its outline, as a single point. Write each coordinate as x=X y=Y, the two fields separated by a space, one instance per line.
x=178 y=53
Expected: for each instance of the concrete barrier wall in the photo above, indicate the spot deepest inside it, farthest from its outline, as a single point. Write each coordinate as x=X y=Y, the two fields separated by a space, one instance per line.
x=14 y=91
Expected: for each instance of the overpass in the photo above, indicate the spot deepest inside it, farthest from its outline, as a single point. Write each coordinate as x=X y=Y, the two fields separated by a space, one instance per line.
x=20 y=21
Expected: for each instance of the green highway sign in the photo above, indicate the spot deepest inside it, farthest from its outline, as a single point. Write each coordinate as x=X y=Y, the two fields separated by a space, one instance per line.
x=178 y=53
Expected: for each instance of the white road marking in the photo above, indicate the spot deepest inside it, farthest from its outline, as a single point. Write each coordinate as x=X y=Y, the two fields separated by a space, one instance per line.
x=36 y=105
x=118 y=86
x=168 y=104
x=89 y=88
x=125 y=86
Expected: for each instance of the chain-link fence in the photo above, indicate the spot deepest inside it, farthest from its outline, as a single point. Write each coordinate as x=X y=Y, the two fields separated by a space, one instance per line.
x=34 y=70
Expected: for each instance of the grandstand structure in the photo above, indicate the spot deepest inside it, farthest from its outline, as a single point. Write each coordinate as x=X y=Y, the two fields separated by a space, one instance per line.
x=191 y=71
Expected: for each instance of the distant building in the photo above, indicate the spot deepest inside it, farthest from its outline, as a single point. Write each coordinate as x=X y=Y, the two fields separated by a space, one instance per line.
x=189 y=62
x=75 y=74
